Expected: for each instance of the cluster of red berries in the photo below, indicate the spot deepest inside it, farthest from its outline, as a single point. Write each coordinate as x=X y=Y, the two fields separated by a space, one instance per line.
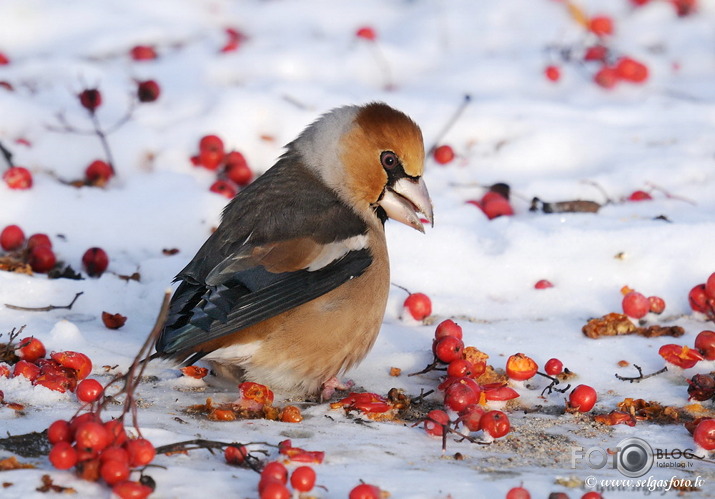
x=462 y=393
x=97 y=449
x=37 y=252
x=233 y=170
x=610 y=67
x=702 y=298
x=273 y=483
x=466 y=397
x=636 y=306
x=63 y=371
x=523 y=493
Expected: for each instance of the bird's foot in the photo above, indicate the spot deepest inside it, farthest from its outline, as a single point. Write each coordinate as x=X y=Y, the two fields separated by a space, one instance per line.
x=333 y=384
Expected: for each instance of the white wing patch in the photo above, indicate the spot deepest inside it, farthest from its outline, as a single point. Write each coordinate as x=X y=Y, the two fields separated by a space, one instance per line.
x=336 y=250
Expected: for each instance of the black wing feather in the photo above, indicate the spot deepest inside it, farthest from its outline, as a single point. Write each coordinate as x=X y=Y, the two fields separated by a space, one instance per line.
x=288 y=290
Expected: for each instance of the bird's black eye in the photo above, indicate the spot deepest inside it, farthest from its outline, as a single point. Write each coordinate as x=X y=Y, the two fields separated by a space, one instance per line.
x=389 y=160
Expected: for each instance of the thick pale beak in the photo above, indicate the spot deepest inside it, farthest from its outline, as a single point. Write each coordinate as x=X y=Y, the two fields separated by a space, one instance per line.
x=404 y=200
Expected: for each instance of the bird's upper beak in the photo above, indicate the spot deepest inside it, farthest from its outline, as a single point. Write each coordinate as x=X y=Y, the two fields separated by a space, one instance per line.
x=404 y=200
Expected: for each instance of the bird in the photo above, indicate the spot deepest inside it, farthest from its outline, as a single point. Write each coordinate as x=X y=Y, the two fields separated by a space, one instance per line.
x=290 y=290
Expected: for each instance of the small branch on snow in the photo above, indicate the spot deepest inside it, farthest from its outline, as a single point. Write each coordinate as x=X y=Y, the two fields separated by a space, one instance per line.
x=7 y=155
x=48 y=307
x=641 y=376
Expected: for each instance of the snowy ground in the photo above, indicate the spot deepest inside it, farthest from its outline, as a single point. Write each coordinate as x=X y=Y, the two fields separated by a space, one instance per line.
x=551 y=140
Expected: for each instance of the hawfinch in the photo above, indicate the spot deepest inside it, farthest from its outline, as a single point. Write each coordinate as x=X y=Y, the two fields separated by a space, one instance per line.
x=291 y=289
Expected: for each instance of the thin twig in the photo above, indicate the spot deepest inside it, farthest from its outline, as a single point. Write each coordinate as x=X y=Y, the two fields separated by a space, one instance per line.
x=641 y=376
x=7 y=155
x=430 y=367
x=48 y=307
x=447 y=127
x=668 y=195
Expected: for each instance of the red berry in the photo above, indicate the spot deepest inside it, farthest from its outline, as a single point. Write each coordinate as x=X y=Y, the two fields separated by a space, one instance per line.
x=448 y=328
x=235 y=454
x=601 y=25
x=596 y=53
x=639 y=3
x=705 y=344
x=74 y=360
x=141 y=452
x=460 y=368
x=521 y=367
x=631 y=70
x=114 y=453
x=656 y=304
x=275 y=490
x=89 y=390
x=365 y=491
x=582 y=398
x=276 y=471
x=684 y=7
x=459 y=395
x=518 y=493
x=606 y=77
x=699 y=299
x=30 y=349
x=91 y=436
x=18 y=177
x=95 y=261
x=78 y=421
x=635 y=305
x=26 y=369
x=90 y=99
x=592 y=495
x=63 y=456
x=4 y=59
x=131 y=490
x=36 y=240
x=366 y=33
x=113 y=471
x=59 y=431
x=543 y=284
x=640 y=196
x=148 y=91
x=448 y=349
x=211 y=143
x=443 y=154
x=117 y=434
x=237 y=169
x=303 y=478
x=143 y=53
x=434 y=422
x=471 y=417
x=552 y=73
x=553 y=367
x=42 y=259
x=704 y=434
x=710 y=286
x=495 y=206
x=680 y=355
x=495 y=423
x=12 y=238
x=224 y=188
x=98 y=173
x=418 y=305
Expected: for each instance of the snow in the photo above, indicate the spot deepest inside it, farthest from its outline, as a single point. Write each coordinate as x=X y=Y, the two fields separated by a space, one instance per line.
x=559 y=141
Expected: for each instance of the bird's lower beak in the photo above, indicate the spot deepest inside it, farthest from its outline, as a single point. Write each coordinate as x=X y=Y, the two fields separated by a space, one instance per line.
x=404 y=200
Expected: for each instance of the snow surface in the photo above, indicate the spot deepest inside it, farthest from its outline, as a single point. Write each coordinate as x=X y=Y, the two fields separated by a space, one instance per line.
x=301 y=59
